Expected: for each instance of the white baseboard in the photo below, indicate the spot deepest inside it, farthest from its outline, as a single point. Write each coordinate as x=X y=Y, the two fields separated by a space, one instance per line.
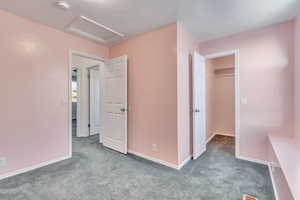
x=229 y=134
x=171 y=165
x=253 y=160
x=184 y=162
x=210 y=138
x=43 y=164
x=273 y=182
x=219 y=133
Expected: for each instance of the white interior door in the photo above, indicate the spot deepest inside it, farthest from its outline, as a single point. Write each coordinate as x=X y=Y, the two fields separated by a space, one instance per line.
x=199 y=112
x=113 y=109
x=94 y=101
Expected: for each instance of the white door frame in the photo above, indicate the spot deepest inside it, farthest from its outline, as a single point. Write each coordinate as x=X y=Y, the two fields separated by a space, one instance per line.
x=236 y=54
x=71 y=54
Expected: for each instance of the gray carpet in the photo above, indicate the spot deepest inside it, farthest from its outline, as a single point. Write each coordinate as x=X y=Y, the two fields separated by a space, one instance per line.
x=96 y=173
x=74 y=127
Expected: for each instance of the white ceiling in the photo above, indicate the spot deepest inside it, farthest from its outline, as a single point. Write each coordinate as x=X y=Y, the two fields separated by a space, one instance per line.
x=206 y=19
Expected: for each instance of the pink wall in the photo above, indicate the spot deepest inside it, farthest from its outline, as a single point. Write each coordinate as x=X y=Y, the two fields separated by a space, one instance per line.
x=266 y=81
x=34 y=128
x=297 y=77
x=34 y=77
x=152 y=94
x=186 y=45
x=224 y=104
x=225 y=95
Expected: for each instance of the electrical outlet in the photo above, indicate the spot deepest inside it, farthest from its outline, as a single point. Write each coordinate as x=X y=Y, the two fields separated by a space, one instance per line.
x=154 y=147
x=2 y=162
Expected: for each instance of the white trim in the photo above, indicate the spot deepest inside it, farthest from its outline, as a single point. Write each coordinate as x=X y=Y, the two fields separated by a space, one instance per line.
x=237 y=103
x=262 y=162
x=273 y=181
x=171 y=165
x=219 y=133
x=184 y=162
x=86 y=55
x=225 y=133
x=221 y=54
x=78 y=105
x=237 y=93
x=77 y=53
x=43 y=164
x=211 y=137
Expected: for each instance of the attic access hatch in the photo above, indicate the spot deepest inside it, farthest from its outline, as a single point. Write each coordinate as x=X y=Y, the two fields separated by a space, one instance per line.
x=90 y=29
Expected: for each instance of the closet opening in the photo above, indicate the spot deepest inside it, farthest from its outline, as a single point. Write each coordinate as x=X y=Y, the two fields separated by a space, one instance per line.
x=215 y=103
x=220 y=103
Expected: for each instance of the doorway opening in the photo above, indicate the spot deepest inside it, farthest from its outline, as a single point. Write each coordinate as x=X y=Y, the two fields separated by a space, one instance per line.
x=216 y=100
x=85 y=95
x=220 y=100
x=98 y=101
x=74 y=102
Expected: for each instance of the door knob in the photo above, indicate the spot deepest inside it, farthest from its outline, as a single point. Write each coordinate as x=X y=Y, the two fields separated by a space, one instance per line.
x=123 y=109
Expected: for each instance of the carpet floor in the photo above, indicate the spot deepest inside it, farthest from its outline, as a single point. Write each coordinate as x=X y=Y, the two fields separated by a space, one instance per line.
x=97 y=173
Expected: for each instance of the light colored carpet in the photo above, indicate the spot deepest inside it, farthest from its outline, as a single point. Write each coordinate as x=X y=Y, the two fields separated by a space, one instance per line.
x=96 y=173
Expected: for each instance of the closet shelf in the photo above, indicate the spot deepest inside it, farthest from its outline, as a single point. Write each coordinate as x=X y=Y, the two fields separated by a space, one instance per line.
x=221 y=71
x=225 y=67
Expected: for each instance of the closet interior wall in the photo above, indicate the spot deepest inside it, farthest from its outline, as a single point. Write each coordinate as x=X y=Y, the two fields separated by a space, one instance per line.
x=220 y=93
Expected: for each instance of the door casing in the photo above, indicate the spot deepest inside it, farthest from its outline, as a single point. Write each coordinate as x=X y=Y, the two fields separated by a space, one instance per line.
x=236 y=54
x=71 y=54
